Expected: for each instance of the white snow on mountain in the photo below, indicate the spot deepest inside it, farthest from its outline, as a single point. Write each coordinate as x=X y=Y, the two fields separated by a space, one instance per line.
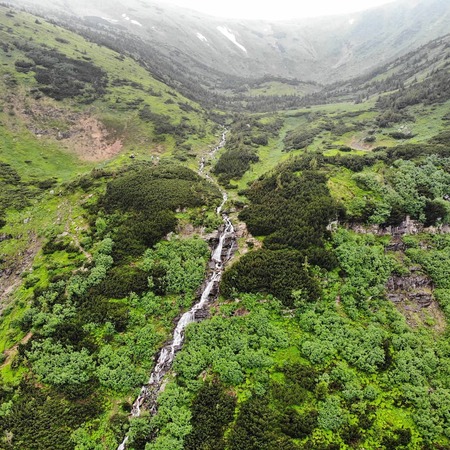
x=134 y=22
x=110 y=20
x=201 y=37
x=229 y=35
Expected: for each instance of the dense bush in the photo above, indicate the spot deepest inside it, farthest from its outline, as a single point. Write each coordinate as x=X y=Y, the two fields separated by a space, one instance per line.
x=280 y=273
x=300 y=138
x=434 y=89
x=42 y=419
x=141 y=203
x=14 y=193
x=62 y=77
x=246 y=135
x=234 y=163
x=212 y=410
x=292 y=211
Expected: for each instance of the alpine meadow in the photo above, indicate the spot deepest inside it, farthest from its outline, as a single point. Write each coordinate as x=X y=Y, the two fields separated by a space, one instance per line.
x=224 y=234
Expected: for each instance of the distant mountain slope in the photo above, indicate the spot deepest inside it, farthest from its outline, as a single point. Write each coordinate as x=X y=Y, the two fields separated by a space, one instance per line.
x=321 y=50
x=406 y=73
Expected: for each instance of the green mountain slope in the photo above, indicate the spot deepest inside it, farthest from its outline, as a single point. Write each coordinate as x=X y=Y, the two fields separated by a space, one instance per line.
x=330 y=327
x=104 y=102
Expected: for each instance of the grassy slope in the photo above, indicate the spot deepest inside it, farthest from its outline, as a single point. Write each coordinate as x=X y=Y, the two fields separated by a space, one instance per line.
x=40 y=158
x=114 y=107
x=427 y=122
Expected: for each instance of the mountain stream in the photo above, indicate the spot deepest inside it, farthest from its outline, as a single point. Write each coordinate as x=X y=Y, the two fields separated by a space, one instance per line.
x=222 y=252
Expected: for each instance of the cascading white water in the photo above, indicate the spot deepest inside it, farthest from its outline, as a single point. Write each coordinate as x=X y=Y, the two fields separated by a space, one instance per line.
x=149 y=392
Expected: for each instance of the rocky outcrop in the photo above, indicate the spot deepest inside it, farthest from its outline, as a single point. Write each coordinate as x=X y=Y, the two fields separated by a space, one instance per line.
x=408 y=226
x=413 y=289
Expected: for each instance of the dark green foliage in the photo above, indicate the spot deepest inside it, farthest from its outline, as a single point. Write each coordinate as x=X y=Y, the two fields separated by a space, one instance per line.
x=300 y=138
x=163 y=124
x=141 y=204
x=41 y=419
x=442 y=138
x=71 y=333
x=123 y=280
x=351 y=434
x=246 y=135
x=401 y=135
x=153 y=189
x=355 y=163
x=434 y=211
x=234 y=163
x=434 y=89
x=293 y=211
x=311 y=445
x=62 y=77
x=138 y=231
x=411 y=151
x=212 y=410
x=304 y=376
x=23 y=65
x=99 y=309
x=276 y=272
x=400 y=439
x=254 y=427
x=389 y=117
x=59 y=243
x=14 y=193
x=298 y=425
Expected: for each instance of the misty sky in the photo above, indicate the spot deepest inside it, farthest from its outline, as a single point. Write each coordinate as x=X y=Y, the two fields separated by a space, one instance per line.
x=276 y=9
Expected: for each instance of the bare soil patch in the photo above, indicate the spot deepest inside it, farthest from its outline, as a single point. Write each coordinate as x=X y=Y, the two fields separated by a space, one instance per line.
x=80 y=133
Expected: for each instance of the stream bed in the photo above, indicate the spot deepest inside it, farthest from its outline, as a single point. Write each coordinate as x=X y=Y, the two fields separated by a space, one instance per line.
x=222 y=252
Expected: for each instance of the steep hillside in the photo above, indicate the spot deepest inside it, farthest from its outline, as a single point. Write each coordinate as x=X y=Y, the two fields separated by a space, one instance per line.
x=96 y=102
x=68 y=106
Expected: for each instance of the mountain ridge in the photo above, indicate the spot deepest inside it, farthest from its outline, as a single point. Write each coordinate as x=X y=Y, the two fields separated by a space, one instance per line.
x=304 y=49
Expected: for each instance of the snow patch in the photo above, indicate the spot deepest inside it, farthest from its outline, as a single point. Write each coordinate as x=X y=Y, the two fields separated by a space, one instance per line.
x=134 y=22
x=229 y=35
x=110 y=20
x=351 y=21
x=201 y=37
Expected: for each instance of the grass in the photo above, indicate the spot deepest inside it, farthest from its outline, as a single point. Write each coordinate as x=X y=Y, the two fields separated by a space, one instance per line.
x=115 y=108
x=279 y=88
x=343 y=187
x=37 y=160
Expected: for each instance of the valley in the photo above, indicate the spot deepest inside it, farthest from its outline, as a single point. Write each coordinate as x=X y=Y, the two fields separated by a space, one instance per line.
x=220 y=234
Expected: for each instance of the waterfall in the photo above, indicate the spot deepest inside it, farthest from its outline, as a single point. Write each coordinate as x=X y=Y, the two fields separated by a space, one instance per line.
x=150 y=391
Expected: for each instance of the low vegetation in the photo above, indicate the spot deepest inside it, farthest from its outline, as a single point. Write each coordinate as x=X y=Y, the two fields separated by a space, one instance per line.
x=330 y=327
